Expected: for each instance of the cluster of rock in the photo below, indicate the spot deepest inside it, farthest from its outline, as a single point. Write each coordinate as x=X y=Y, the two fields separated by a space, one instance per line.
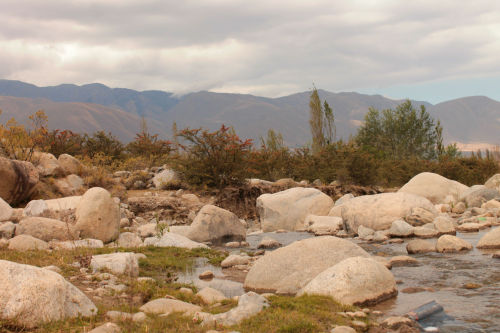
x=428 y=207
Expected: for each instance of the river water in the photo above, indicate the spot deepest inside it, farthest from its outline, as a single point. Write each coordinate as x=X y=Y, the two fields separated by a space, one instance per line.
x=443 y=275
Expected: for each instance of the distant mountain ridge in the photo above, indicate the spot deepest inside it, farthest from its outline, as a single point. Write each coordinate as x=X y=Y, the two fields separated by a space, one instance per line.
x=468 y=120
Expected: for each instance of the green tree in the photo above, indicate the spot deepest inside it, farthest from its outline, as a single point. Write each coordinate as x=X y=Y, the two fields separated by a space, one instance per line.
x=401 y=133
x=329 y=124
x=316 y=121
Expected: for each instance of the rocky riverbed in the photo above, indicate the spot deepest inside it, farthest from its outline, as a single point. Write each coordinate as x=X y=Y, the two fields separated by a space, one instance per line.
x=162 y=260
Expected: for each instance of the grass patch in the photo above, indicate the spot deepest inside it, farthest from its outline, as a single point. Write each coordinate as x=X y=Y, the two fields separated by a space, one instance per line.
x=302 y=314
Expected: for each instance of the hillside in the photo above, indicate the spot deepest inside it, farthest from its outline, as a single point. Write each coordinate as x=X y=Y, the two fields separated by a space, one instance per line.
x=470 y=120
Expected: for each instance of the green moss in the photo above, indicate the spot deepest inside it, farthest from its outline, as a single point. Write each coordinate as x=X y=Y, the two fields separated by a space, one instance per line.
x=296 y=314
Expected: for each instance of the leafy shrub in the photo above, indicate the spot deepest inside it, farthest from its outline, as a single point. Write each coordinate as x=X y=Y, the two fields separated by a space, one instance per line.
x=214 y=159
x=18 y=142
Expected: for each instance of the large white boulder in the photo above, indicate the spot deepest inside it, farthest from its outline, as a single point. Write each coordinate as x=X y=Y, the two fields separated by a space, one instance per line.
x=378 y=211
x=45 y=229
x=354 y=281
x=288 y=209
x=31 y=295
x=290 y=268
x=98 y=215
x=216 y=225
x=434 y=187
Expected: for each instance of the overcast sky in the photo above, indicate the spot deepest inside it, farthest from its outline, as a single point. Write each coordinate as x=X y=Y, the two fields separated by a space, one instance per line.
x=428 y=50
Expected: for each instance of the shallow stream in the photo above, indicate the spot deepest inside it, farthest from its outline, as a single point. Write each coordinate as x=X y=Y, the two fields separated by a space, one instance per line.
x=443 y=275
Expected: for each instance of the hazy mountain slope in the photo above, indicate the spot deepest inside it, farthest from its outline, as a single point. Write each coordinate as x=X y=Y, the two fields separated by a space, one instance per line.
x=470 y=119
x=78 y=117
x=466 y=120
x=153 y=104
x=253 y=116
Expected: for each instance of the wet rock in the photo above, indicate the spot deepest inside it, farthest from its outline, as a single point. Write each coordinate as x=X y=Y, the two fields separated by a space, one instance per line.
x=45 y=229
x=288 y=209
x=379 y=236
x=419 y=216
x=18 y=180
x=364 y=232
x=31 y=295
x=422 y=232
x=356 y=280
x=395 y=323
x=27 y=243
x=234 y=260
x=268 y=243
x=172 y=239
x=98 y=215
x=468 y=227
x=166 y=306
x=400 y=228
x=444 y=225
x=206 y=275
x=378 y=211
x=420 y=246
x=288 y=269
x=496 y=255
x=490 y=240
x=433 y=187
x=210 y=296
x=398 y=261
x=5 y=211
x=323 y=225
x=450 y=244
x=216 y=225
x=472 y=285
x=129 y=239
x=122 y=263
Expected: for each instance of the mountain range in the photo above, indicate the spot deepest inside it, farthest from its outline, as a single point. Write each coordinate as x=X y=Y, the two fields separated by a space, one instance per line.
x=470 y=121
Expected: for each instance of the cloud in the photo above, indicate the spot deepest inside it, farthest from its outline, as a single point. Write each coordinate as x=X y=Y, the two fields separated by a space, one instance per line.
x=268 y=47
